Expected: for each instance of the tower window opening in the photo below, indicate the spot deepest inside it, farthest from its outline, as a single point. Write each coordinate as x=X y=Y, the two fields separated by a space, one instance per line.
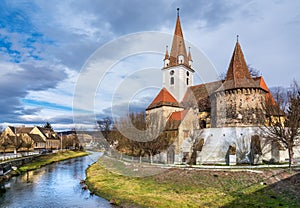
x=172 y=81
x=187 y=81
x=187 y=73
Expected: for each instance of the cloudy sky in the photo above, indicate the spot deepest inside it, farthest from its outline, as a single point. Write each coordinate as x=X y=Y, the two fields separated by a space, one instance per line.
x=46 y=46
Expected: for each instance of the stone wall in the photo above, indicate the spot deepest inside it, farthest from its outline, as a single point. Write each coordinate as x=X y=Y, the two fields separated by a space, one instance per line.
x=18 y=162
x=238 y=107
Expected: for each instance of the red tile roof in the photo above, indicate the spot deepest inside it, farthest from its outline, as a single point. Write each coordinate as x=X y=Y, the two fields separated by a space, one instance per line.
x=175 y=120
x=178 y=115
x=269 y=97
x=164 y=98
x=238 y=74
x=261 y=82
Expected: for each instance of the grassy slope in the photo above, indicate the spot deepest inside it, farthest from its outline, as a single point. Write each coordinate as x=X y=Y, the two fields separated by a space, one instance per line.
x=185 y=188
x=51 y=158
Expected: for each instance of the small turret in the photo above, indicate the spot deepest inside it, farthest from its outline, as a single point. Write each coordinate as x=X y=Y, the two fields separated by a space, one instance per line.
x=167 y=58
x=190 y=58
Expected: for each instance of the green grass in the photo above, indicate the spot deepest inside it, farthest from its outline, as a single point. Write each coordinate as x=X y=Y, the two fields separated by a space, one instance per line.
x=51 y=158
x=183 y=188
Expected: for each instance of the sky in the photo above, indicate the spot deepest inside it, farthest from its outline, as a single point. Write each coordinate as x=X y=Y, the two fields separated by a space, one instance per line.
x=50 y=52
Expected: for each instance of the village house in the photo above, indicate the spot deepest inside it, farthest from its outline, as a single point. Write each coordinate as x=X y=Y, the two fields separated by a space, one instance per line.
x=215 y=121
x=33 y=138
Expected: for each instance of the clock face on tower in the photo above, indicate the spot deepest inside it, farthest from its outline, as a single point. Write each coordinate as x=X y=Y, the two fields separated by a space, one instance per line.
x=172 y=72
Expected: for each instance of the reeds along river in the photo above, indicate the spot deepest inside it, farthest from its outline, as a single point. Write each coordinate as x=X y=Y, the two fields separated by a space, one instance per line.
x=56 y=185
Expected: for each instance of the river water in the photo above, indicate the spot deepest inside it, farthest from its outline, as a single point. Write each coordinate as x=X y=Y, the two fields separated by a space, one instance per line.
x=56 y=185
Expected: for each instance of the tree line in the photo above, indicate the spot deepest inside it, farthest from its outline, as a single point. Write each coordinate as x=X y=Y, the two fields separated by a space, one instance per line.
x=132 y=136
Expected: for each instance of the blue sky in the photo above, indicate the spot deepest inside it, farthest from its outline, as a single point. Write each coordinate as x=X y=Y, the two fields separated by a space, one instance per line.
x=44 y=45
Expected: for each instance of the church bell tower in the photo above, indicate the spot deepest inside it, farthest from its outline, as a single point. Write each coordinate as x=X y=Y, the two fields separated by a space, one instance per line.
x=178 y=74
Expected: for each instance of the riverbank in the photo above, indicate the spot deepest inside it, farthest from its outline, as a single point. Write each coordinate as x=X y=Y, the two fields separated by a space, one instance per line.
x=54 y=185
x=178 y=187
x=51 y=158
x=42 y=161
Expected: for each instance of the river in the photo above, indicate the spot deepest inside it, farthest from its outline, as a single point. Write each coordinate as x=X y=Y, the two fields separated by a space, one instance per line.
x=55 y=185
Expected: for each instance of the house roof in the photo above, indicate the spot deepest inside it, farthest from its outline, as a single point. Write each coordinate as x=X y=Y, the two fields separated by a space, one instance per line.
x=36 y=138
x=49 y=133
x=21 y=129
x=238 y=74
x=164 y=98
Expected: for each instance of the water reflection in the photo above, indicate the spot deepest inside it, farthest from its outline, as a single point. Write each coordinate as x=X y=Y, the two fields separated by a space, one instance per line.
x=56 y=185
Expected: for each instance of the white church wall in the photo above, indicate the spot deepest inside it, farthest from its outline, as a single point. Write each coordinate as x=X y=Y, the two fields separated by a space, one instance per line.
x=179 y=74
x=218 y=140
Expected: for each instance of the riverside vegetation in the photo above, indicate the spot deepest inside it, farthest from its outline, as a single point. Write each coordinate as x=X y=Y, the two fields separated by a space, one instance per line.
x=51 y=158
x=187 y=187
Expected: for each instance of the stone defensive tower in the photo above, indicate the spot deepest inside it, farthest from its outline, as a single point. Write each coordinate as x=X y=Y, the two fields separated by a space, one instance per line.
x=239 y=101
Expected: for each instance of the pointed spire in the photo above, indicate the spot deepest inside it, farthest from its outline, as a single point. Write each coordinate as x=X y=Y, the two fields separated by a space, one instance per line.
x=238 y=74
x=167 y=53
x=190 y=55
x=178 y=45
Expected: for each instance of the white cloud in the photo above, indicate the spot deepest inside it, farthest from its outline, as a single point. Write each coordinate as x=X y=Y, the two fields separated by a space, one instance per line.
x=72 y=30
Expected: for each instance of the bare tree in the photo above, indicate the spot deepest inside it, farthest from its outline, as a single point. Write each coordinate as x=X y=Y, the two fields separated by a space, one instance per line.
x=253 y=71
x=105 y=126
x=28 y=144
x=197 y=146
x=283 y=125
x=136 y=137
x=17 y=142
x=5 y=143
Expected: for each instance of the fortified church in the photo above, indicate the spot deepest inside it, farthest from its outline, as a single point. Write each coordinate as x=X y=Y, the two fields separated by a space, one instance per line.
x=216 y=122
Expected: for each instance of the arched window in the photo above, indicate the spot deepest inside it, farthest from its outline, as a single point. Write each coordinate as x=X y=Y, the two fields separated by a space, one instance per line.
x=172 y=81
x=187 y=73
x=187 y=81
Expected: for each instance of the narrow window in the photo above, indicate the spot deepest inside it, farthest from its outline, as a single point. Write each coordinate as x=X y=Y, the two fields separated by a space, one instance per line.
x=187 y=81
x=187 y=73
x=172 y=81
